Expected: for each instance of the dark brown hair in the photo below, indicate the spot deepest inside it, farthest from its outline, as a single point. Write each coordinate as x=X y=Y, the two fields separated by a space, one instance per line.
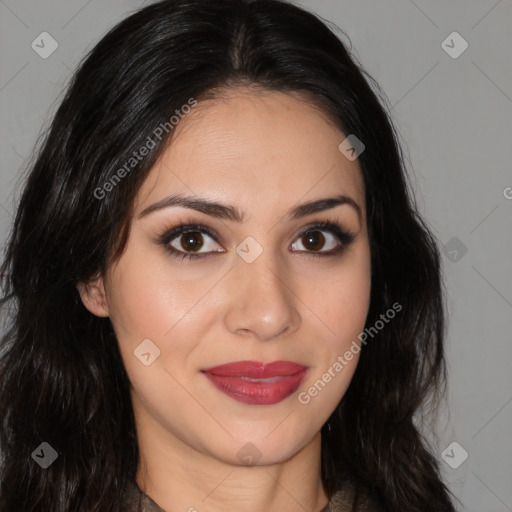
x=61 y=375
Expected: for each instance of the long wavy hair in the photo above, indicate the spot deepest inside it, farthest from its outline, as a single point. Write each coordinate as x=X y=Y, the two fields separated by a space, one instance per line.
x=61 y=374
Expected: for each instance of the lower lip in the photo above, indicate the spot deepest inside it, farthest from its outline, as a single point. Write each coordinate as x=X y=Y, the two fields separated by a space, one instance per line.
x=262 y=392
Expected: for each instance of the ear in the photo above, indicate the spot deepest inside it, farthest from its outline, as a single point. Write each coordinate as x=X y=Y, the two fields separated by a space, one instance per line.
x=93 y=296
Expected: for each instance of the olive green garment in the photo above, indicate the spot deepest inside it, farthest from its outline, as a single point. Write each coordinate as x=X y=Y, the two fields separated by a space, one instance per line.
x=134 y=500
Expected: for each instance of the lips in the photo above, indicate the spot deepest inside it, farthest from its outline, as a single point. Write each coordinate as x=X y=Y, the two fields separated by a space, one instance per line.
x=256 y=383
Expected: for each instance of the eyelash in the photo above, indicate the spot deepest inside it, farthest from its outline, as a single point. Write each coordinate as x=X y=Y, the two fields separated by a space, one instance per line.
x=344 y=237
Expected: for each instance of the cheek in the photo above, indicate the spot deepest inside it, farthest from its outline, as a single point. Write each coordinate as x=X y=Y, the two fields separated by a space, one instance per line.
x=344 y=307
x=342 y=303
x=149 y=300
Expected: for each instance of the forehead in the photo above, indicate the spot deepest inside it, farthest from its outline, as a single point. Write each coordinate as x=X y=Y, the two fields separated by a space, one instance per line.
x=262 y=149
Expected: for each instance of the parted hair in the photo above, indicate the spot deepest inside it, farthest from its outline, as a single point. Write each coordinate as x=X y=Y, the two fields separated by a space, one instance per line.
x=62 y=379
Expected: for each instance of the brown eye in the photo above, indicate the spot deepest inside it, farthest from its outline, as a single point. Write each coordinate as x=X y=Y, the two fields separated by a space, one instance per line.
x=191 y=241
x=325 y=238
x=313 y=240
x=194 y=241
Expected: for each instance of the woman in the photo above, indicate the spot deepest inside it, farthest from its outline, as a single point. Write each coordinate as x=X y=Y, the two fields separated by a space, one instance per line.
x=223 y=297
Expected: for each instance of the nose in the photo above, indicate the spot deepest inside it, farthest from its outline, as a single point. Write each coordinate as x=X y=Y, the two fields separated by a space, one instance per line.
x=262 y=302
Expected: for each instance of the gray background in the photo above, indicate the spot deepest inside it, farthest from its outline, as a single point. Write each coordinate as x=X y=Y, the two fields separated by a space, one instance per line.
x=454 y=119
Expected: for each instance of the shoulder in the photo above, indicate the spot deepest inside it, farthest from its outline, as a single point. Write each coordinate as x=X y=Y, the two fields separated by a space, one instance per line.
x=134 y=500
x=131 y=497
x=352 y=499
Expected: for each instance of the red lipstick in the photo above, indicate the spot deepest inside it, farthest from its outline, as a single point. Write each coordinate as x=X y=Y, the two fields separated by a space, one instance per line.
x=256 y=383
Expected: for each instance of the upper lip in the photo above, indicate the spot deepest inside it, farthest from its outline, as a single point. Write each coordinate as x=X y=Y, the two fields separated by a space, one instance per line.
x=255 y=369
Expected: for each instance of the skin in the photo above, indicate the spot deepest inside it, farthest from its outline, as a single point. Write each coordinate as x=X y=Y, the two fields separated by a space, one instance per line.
x=263 y=152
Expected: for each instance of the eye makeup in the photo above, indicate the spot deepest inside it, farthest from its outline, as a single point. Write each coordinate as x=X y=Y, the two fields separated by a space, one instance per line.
x=182 y=228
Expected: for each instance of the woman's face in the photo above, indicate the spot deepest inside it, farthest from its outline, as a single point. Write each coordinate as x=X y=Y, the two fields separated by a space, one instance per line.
x=257 y=289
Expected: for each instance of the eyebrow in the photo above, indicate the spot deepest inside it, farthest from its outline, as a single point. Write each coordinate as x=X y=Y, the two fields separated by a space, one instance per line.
x=232 y=213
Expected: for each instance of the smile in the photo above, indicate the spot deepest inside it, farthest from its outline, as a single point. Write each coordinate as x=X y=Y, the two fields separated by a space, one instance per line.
x=256 y=383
